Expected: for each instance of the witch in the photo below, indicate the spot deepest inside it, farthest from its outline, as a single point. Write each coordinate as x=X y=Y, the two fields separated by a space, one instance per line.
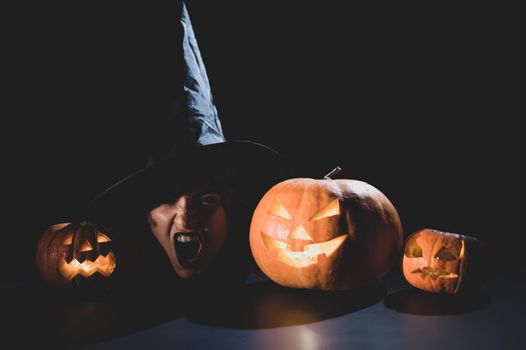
x=197 y=190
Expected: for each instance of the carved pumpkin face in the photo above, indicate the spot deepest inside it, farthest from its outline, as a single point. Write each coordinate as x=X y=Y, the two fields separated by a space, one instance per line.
x=71 y=254
x=298 y=248
x=437 y=261
x=319 y=234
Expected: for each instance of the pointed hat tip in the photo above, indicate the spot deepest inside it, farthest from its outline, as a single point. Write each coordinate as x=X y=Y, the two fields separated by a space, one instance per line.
x=202 y=113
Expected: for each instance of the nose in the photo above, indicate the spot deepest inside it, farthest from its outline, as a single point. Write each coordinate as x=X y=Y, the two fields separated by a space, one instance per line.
x=299 y=233
x=186 y=216
x=86 y=251
x=86 y=247
x=298 y=237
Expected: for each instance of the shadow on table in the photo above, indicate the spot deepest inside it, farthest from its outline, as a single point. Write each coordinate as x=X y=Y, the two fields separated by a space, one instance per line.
x=267 y=305
x=417 y=302
x=49 y=318
x=34 y=315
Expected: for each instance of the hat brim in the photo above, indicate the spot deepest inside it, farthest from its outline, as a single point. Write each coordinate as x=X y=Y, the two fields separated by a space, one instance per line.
x=248 y=167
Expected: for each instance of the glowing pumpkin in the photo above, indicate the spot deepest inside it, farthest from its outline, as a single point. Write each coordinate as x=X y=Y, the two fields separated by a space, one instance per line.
x=73 y=254
x=325 y=234
x=443 y=262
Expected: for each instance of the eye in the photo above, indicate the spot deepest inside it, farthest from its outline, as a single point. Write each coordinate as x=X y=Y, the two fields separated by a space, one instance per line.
x=332 y=209
x=211 y=199
x=101 y=238
x=151 y=221
x=454 y=252
x=412 y=249
x=276 y=209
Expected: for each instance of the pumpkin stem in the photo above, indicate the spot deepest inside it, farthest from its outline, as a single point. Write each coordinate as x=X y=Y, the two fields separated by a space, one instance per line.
x=333 y=172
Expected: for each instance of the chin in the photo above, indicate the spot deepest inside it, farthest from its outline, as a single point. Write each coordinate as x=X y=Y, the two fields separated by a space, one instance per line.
x=185 y=272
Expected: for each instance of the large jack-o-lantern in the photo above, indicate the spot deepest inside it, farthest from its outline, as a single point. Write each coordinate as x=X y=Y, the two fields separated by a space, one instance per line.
x=325 y=234
x=75 y=254
x=443 y=262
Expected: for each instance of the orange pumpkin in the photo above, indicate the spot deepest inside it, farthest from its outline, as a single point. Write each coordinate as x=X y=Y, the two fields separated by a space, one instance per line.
x=443 y=262
x=325 y=234
x=75 y=254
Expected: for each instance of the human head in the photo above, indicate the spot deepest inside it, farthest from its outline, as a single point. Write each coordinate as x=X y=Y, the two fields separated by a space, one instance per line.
x=191 y=225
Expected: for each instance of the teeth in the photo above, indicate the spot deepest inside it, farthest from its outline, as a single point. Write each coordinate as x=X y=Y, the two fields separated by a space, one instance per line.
x=187 y=238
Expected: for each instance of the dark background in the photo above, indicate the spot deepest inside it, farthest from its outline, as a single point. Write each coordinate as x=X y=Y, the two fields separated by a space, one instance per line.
x=417 y=101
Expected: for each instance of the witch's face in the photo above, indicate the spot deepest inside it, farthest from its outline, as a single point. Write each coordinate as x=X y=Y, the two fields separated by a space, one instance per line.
x=191 y=228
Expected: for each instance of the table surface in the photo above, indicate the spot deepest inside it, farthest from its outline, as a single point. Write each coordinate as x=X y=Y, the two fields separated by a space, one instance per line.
x=262 y=315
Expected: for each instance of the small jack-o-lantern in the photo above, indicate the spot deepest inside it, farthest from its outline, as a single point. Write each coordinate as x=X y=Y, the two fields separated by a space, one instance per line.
x=325 y=234
x=74 y=254
x=443 y=262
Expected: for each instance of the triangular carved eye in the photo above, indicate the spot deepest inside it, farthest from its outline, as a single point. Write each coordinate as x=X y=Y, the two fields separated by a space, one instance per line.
x=101 y=238
x=332 y=209
x=412 y=249
x=454 y=252
x=277 y=209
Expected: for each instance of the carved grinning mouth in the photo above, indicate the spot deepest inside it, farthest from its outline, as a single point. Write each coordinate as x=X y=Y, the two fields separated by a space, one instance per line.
x=187 y=246
x=307 y=256
x=103 y=265
x=434 y=273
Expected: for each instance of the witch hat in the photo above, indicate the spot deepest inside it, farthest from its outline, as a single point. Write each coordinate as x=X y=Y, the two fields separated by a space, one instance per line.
x=192 y=145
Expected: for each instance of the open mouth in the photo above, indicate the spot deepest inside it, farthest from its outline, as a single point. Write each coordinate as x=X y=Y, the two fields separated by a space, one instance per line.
x=434 y=273
x=187 y=248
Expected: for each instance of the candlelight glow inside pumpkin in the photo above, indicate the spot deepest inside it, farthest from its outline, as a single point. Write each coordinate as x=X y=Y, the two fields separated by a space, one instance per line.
x=68 y=252
x=437 y=261
x=454 y=251
x=102 y=264
x=298 y=251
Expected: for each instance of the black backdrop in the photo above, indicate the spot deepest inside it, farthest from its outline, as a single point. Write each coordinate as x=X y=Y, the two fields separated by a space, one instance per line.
x=416 y=101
